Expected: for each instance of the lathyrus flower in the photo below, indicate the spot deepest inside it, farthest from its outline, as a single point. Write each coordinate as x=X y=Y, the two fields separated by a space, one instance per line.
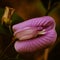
x=35 y=34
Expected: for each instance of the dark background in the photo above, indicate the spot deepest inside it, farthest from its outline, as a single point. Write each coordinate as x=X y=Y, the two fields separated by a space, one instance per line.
x=55 y=7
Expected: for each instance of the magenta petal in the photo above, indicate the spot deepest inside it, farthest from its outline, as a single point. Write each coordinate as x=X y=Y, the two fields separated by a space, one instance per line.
x=37 y=43
x=45 y=21
x=40 y=42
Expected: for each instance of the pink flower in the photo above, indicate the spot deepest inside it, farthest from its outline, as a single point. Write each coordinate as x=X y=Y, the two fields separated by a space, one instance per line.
x=33 y=26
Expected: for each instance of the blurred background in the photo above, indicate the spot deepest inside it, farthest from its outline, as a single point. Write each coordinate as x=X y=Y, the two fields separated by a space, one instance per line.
x=35 y=8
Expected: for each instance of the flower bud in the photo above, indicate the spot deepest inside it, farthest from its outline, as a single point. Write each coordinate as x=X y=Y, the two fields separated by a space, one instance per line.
x=6 y=18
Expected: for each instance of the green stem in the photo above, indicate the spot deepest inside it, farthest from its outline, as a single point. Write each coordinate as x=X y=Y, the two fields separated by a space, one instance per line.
x=6 y=49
